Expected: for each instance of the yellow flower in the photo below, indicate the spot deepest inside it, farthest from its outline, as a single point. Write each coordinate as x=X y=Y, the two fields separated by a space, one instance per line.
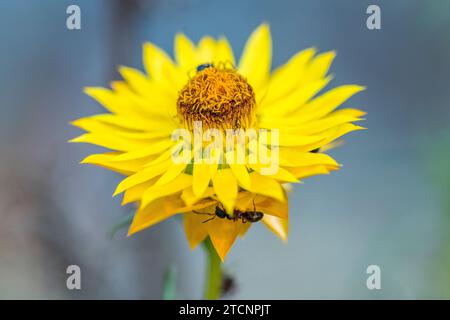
x=203 y=84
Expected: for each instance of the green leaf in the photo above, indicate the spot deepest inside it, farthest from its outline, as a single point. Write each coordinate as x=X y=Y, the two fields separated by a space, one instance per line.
x=170 y=285
x=124 y=222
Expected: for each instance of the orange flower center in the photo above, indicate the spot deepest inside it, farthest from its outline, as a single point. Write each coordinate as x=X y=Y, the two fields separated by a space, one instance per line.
x=218 y=97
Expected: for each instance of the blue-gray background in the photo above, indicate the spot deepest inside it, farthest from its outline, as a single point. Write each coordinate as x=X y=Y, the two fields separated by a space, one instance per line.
x=389 y=205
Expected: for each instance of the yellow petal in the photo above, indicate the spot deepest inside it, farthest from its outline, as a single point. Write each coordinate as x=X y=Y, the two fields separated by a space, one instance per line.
x=327 y=102
x=136 y=79
x=184 y=51
x=319 y=66
x=104 y=160
x=136 y=112
x=156 y=62
x=190 y=198
x=281 y=138
x=317 y=126
x=154 y=148
x=148 y=97
x=97 y=126
x=201 y=178
x=224 y=53
x=245 y=200
x=223 y=233
x=295 y=100
x=280 y=174
x=226 y=188
x=248 y=201
x=162 y=157
x=196 y=231
x=291 y=139
x=160 y=210
x=130 y=122
x=331 y=145
x=105 y=97
x=331 y=135
x=161 y=68
x=309 y=171
x=214 y=162
x=135 y=193
x=181 y=182
x=277 y=226
x=271 y=207
x=206 y=50
x=128 y=104
x=121 y=87
x=142 y=176
x=213 y=170
x=109 y=142
x=292 y=158
x=350 y=112
x=93 y=124
x=264 y=185
x=286 y=78
x=256 y=58
x=151 y=215
x=172 y=172
x=240 y=172
x=244 y=228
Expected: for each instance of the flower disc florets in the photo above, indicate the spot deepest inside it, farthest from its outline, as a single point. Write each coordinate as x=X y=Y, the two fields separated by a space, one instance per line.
x=218 y=97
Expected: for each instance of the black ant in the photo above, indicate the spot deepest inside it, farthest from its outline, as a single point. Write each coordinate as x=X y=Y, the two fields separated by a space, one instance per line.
x=244 y=216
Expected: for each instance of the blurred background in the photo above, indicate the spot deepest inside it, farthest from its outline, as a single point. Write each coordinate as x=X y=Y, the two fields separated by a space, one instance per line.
x=388 y=206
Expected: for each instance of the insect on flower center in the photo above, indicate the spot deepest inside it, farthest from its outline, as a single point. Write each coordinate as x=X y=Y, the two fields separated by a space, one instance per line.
x=219 y=97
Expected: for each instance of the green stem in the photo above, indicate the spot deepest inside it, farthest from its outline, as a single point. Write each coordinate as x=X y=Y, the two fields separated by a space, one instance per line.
x=213 y=272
